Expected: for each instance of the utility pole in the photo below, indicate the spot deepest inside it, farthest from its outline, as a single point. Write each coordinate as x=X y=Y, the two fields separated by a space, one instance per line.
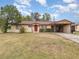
x=32 y=15
x=46 y=13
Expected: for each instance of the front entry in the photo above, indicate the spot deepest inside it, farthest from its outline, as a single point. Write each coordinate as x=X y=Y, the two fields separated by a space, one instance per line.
x=35 y=28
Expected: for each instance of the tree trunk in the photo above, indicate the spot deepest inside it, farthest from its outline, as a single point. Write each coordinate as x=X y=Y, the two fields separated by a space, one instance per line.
x=6 y=26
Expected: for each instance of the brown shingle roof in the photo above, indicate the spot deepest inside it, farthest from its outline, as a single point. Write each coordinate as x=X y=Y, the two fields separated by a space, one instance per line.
x=46 y=22
x=36 y=22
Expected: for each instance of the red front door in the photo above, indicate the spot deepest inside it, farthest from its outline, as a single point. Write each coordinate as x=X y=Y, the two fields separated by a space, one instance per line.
x=35 y=28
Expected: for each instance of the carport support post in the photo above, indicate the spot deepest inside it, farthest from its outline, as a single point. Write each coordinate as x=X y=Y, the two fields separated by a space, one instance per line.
x=54 y=24
x=54 y=28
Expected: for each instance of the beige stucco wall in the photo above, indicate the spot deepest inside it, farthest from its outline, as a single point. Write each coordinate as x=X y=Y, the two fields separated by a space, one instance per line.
x=67 y=29
x=13 y=29
x=45 y=26
x=27 y=28
x=77 y=28
x=48 y=26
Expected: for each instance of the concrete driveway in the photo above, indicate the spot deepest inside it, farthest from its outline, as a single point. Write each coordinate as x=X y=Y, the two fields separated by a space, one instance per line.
x=72 y=37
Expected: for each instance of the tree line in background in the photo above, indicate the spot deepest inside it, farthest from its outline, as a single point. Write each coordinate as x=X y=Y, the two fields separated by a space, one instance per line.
x=9 y=15
x=37 y=17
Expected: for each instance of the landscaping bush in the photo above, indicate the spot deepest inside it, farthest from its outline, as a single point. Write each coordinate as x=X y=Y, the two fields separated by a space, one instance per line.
x=45 y=30
x=22 y=30
x=42 y=30
x=48 y=30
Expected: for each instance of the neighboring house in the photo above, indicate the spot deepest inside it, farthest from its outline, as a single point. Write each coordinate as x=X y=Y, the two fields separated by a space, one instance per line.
x=38 y=26
x=77 y=27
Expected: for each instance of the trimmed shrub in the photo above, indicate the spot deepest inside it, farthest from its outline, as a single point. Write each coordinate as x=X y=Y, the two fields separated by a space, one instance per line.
x=48 y=30
x=22 y=30
x=45 y=30
x=42 y=30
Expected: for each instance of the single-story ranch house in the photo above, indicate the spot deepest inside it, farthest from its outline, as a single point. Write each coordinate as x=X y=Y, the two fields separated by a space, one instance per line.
x=39 y=26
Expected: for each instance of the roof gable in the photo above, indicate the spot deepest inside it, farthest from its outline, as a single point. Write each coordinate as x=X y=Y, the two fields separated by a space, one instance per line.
x=64 y=22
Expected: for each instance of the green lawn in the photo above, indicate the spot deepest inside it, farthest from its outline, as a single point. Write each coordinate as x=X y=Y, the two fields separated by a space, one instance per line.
x=77 y=33
x=37 y=46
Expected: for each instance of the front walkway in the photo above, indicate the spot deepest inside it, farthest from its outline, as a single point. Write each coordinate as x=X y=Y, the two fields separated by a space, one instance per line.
x=72 y=37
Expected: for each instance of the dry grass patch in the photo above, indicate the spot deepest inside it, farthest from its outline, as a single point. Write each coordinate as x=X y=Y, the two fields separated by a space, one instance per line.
x=37 y=46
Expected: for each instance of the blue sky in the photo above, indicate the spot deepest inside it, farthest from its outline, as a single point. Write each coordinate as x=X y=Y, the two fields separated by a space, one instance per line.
x=60 y=9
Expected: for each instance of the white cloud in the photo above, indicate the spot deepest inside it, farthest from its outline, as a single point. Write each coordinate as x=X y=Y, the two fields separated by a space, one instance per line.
x=42 y=2
x=67 y=8
x=22 y=6
x=73 y=6
x=30 y=10
x=25 y=13
x=54 y=15
x=19 y=6
x=22 y=9
x=24 y=2
x=69 y=1
x=76 y=13
x=60 y=8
